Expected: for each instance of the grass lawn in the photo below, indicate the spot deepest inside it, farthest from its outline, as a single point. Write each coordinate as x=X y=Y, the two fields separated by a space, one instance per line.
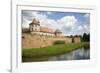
x=39 y=54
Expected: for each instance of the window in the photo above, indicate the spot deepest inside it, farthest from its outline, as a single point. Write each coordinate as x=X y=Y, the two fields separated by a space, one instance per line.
x=35 y=29
x=35 y=25
x=32 y=29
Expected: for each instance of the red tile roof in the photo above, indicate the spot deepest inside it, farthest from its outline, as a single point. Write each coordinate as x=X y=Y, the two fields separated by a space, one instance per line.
x=45 y=29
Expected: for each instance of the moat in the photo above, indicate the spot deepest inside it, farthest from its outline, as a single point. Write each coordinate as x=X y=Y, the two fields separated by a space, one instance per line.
x=78 y=54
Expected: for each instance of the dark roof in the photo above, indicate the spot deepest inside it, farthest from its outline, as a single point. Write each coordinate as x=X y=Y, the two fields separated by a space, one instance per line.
x=35 y=22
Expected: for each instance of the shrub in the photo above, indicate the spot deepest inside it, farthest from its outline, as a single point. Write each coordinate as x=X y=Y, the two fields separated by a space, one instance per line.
x=59 y=42
x=86 y=46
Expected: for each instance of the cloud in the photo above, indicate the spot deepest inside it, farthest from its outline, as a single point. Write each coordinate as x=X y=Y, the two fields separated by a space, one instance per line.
x=83 y=27
x=43 y=18
x=25 y=23
x=67 y=24
x=68 y=21
x=79 y=28
x=28 y=16
x=72 y=26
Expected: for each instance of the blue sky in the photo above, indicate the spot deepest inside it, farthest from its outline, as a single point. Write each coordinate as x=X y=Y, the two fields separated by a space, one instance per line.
x=57 y=15
x=70 y=23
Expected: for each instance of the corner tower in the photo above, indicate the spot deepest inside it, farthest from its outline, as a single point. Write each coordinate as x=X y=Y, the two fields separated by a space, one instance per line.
x=34 y=26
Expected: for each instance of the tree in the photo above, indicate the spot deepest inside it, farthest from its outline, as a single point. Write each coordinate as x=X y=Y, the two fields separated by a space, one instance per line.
x=71 y=36
x=86 y=37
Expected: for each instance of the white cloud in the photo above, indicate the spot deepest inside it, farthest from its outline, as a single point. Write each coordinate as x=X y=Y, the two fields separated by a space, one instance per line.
x=44 y=20
x=39 y=16
x=68 y=24
x=28 y=16
x=25 y=23
x=82 y=29
x=79 y=28
x=86 y=28
x=68 y=21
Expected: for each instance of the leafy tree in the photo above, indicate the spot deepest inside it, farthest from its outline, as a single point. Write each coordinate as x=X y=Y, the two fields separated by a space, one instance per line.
x=86 y=37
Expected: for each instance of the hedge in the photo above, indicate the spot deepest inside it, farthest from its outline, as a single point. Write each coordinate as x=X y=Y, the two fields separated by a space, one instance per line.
x=59 y=42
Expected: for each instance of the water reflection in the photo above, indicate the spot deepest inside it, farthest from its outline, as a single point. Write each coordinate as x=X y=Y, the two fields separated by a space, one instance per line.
x=77 y=54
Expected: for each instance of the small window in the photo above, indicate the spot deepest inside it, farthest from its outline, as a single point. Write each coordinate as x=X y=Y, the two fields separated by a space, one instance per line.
x=35 y=29
x=32 y=29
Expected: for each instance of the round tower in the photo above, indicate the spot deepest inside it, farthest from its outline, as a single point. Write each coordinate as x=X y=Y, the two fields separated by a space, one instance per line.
x=58 y=32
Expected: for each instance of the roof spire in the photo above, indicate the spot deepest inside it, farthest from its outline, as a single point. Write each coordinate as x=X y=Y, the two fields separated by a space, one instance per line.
x=35 y=21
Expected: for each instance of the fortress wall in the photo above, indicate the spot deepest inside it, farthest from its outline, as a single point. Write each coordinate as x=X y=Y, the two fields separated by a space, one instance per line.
x=37 y=41
x=77 y=40
x=30 y=41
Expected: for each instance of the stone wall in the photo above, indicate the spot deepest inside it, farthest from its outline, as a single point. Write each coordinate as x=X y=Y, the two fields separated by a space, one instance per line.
x=37 y=41
x=77 y=40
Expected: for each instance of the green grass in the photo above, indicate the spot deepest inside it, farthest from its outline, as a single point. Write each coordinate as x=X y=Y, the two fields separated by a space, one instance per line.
x=39 y=54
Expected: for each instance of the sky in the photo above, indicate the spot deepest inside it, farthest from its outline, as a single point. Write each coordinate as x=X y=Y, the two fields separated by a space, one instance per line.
x=69 y=23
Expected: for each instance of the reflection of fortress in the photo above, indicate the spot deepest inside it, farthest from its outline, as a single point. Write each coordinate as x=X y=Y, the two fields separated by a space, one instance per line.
x=37 y=36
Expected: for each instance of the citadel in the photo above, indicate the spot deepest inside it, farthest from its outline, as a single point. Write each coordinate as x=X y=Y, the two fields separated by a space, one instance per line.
x=37 y=36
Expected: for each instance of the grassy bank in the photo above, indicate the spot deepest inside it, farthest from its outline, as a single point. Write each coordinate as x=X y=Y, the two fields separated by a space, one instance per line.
x=39 y=54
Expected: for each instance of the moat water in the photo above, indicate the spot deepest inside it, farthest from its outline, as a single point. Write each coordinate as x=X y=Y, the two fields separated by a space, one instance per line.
x=78 y=54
